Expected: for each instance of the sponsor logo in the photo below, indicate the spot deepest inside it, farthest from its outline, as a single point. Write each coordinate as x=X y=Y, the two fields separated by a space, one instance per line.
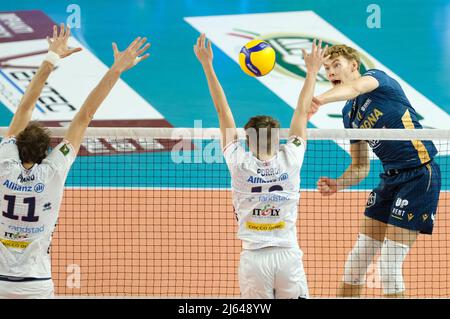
x=14 y=244
x=297 y=142
x=273 y=198
x=410 y=216
x=374 y=143
x=371 y=119
x=26 y=179
x=15 y=235
x=433 y=217
x=259 y=180
x=402 y=203
x=365 y=105
x=65 y=149
x=398 y=213
x=27 y=230
x=14 y=187
x=39 y=188
x=372 y=199
x=425 y=217
x=268 y=171
x=266 y=211
x=264 y=227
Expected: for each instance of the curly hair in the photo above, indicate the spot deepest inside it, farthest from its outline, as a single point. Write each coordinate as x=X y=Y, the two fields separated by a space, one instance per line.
x=33 y=143
x=345 y=51
x=262 y=123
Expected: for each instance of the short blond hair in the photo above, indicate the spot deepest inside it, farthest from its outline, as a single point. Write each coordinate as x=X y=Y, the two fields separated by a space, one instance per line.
x=347 y=52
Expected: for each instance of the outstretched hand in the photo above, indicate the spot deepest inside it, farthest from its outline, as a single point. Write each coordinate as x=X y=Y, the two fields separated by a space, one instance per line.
x=315 y=58
x=203 y=51
x=58 y=42
x=131 y=56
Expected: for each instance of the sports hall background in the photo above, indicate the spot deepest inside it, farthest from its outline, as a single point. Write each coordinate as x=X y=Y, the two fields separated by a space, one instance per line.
x=413 y=42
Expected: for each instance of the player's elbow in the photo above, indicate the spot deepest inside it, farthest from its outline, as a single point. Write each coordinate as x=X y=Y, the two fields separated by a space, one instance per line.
x=83 y=118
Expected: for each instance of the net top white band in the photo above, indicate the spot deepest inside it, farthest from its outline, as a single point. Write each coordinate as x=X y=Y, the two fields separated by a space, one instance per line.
x=214 y=133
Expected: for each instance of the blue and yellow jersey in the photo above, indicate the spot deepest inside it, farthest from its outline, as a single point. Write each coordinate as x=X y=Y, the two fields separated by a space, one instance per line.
x=388 y=107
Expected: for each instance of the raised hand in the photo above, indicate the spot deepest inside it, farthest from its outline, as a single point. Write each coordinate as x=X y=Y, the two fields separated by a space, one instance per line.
x=327 y=186
x=315 y=58
x=131 y=56
x=58 y=42
x=202 y=51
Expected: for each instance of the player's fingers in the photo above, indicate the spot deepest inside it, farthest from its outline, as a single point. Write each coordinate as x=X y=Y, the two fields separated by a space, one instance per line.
x=198 y=41
x=140 y=43
x=142 y=58
x=61 y=30
x=209 y=46
x=115 y=49
x=48 y=40
x=55 y=32
x=304 y=53
x=132 y=44
x=145 y=48
x=202 y=41
x=67 y=35
x=74 y=50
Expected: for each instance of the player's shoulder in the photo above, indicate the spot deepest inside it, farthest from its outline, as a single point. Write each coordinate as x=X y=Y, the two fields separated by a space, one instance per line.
x=375 y=73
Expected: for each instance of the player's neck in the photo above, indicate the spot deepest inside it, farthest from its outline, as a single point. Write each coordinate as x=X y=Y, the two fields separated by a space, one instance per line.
x=265 y=157
x=356 y=75
x=27 y=165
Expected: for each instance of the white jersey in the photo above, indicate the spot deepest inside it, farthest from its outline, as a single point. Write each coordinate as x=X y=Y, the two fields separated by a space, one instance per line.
x=30 y=202
x=266 y=194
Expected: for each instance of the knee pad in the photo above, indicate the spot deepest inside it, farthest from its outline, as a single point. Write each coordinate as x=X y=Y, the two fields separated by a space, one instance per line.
x=359 y=259
x=390 y=266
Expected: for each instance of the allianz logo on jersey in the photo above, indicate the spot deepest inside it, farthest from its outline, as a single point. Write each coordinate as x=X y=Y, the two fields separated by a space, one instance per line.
x=260 y=180
x=38 y=188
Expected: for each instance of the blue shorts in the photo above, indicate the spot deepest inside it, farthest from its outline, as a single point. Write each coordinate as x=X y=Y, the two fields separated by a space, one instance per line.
x=408 y=199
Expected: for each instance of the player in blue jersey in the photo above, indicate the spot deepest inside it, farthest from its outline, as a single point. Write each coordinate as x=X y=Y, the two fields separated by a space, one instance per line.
x=32 y=181
x=405 y=201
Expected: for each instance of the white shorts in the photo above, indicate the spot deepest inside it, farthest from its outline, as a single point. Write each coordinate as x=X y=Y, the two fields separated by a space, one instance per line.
x=36 y=289
x=272 y=272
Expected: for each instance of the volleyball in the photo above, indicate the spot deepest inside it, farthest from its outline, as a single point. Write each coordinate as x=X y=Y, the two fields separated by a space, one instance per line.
x=257 y=58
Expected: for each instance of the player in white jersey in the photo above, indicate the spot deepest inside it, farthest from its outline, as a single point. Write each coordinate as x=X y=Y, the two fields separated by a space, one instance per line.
x=32 y=182
x=265 y=187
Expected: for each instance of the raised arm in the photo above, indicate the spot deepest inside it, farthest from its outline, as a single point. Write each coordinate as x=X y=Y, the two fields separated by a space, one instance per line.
x=349 y=91
x=204 y=54
x=313 y=63
x=57 y=49
x=353 y=175
x=344 y=92
x=122 y=62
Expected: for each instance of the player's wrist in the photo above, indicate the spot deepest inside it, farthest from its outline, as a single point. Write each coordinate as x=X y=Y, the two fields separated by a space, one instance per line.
x=52 y=58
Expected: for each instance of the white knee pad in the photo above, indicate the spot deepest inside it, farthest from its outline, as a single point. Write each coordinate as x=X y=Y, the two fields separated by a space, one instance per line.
x=390 y=266
x=359 y=259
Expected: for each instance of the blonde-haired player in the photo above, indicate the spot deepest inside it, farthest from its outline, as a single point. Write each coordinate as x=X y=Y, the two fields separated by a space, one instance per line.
x=266 y=184
x=32 y=183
